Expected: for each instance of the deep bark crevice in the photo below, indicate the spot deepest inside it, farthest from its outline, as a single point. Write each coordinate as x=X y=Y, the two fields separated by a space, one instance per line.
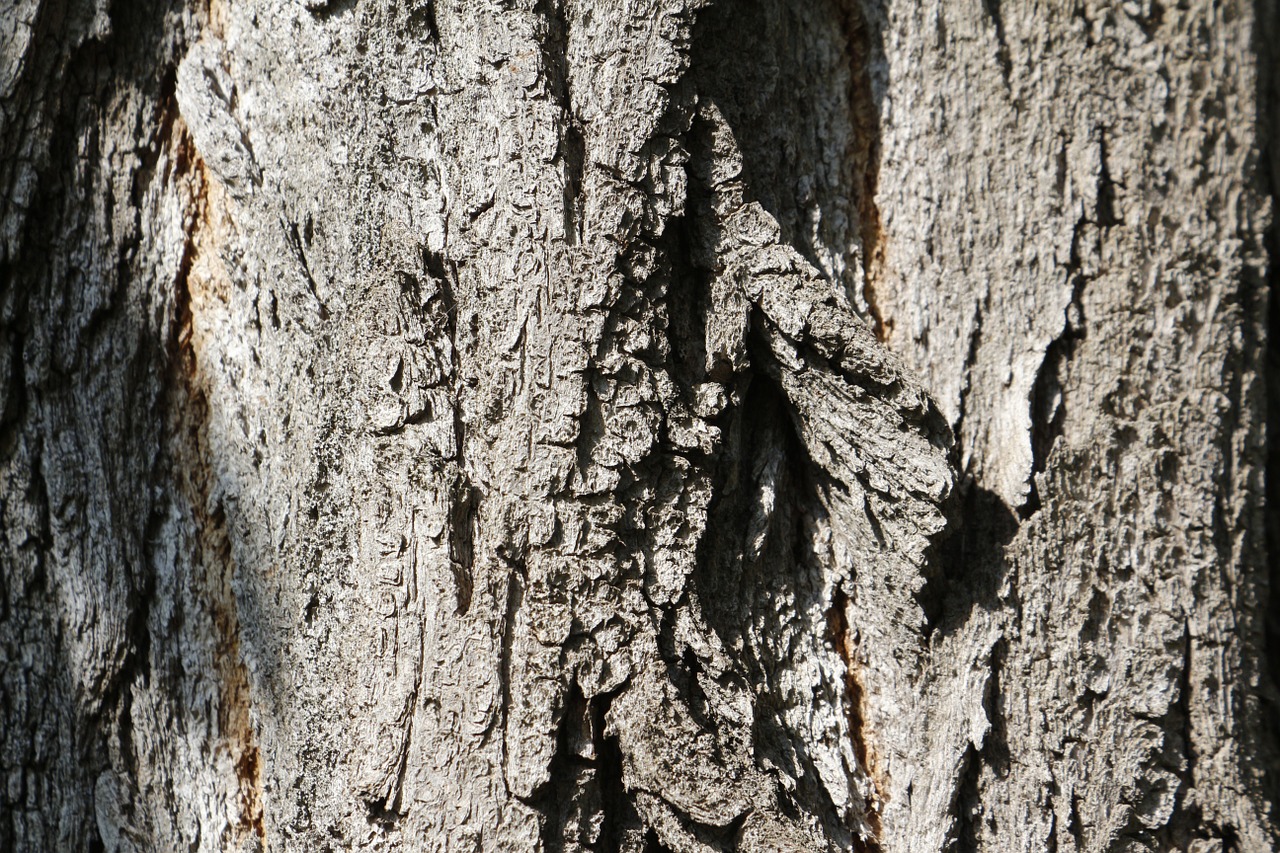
x=562 y=789
x=994 y=756
x=864 y=38
x=1180 y=756
x=838 y=623
x=294 y=241
x=962 y=464
x=572 y=146
x=1048 y=404
x=618 y=812
x=688 y=295
x=1107 y=217
x=967 y=803
x=465 y=515
x=993 y=10
x=816 y=65
x=653 y=845
x=1269 y=122
x=971 y=557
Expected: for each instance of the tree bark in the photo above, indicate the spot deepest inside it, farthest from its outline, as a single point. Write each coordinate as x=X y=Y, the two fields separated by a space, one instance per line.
x=651 y=425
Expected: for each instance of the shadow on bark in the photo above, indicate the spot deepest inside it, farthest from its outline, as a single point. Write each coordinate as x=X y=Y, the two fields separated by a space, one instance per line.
x=99 y=373
x=1269 y=122
x=973 y=566
x=805 y=112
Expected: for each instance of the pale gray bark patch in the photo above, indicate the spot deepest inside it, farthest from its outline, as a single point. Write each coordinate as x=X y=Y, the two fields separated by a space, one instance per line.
x=1093 y=328
x=454 y=426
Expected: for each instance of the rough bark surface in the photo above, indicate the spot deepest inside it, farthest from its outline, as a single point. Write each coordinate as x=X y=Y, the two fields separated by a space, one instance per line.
x=458 y=425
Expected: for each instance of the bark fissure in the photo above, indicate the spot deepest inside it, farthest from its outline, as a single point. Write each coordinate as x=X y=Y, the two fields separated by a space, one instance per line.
x=619 y=815
x=189 y=414
x=1048 y=403
x=295 y=244
x=854 y=698
x=994 y=12
x=861 y=20
x=967 y=803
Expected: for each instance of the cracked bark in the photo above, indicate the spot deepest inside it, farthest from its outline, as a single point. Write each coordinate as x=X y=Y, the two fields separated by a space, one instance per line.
x=680 y=425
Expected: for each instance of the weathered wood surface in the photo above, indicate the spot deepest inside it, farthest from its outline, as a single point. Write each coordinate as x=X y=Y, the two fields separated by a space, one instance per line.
x=662 y=424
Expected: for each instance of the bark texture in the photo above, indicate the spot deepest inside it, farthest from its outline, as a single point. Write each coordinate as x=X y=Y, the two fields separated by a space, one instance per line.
x=636 y=425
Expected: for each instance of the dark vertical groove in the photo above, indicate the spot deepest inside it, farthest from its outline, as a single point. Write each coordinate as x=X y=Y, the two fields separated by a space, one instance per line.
x=964 y=830
x=653 y=845
x=862 y=24
x=687 y=297
x=970 y=359
x=552 y=800
x=617 y=812
x=1106 y=192
x=294 y=240
x=14 y=404
x=993 y=755
x=1047 y=413
x=462 y=529
x=574 y=156
x=854 y=704
x=993 y=11
x=1269 y=128
x=516 y=574
x=572 y=153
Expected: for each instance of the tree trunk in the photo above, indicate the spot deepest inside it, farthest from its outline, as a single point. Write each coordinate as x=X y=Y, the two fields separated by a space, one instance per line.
x=663 y=425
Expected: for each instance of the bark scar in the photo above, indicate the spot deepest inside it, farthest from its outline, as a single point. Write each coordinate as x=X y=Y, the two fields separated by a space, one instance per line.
x=868 y=759
x=201 y=275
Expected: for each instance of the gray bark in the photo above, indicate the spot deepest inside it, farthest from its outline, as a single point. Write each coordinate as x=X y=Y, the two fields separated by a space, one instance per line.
x=661 y=425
